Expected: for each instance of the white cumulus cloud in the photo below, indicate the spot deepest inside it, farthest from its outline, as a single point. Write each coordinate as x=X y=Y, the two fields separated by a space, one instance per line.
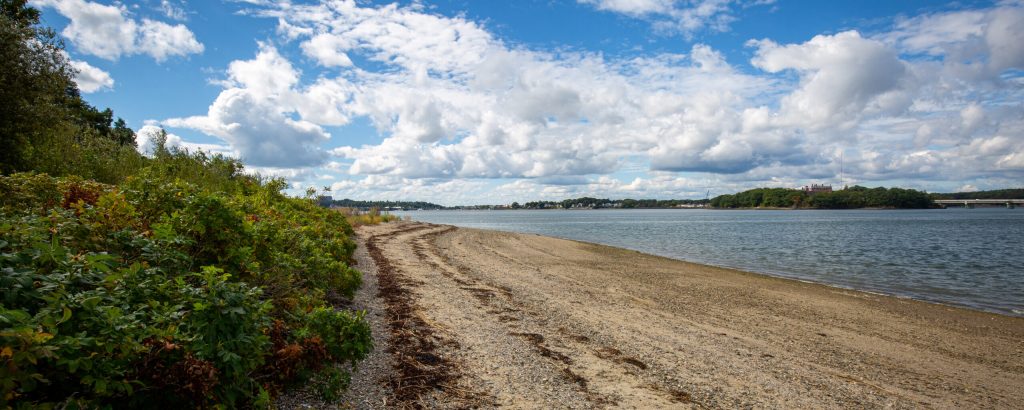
x=677 y=16
x=109 y=31
x=251 y=115
x=145 y=142
x=843 y=77
x=89 y=78
x=633 y=7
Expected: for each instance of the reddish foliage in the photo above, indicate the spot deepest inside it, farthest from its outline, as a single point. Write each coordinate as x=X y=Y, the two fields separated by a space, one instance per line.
x=278 y=334
x=79 y=192
x=315 y=352
x=183 y=374
x=281 y=365
x=196 y=378
x=291 y=358
x=287 y=361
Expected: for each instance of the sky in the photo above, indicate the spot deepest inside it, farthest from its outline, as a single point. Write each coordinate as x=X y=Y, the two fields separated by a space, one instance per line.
x=489 y=102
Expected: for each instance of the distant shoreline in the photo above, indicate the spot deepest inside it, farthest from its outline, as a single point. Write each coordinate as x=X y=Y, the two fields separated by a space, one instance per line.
x=689 y=209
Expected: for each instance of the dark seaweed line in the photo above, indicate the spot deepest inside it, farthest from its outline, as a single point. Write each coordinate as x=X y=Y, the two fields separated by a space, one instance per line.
x=419 y=369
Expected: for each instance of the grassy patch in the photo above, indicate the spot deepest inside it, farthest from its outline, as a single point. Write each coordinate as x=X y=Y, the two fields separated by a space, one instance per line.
x=373 y=216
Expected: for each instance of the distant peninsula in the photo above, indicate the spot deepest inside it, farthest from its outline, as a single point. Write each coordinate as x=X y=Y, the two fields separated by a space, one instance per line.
x=854 y=197
x=813 y=197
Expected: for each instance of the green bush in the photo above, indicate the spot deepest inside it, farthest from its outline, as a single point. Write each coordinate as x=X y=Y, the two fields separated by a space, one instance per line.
x=82 y=152
x=164 y=290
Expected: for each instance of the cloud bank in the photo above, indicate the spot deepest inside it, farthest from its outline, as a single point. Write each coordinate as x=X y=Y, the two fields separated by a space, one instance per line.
x=934 y=100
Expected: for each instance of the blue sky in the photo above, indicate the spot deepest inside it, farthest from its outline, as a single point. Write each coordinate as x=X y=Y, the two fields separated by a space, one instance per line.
x=462 y=102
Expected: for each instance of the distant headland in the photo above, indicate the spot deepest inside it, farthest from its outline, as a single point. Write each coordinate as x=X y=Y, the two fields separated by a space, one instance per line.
x=809 y=197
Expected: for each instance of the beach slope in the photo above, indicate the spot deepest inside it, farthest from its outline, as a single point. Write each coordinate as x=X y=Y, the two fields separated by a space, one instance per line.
x=481 y=318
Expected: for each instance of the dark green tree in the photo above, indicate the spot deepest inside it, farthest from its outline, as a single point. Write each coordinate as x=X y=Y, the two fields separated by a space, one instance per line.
x=19 y=12
x=35 y=77
x=45 y=125
x=121 y=134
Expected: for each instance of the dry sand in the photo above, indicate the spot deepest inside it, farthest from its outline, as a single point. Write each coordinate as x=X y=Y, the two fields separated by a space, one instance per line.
x=482 y=319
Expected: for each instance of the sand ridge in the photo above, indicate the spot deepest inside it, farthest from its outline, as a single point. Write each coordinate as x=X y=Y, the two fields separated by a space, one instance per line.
x=525 y=321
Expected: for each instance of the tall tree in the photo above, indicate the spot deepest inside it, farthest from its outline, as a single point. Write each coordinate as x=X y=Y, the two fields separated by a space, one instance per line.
x=36 y=77
x=41 y=109
x=121 y=134
x=20 y=12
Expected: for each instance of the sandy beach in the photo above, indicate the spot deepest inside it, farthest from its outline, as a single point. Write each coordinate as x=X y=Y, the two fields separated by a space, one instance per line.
x=473 y=318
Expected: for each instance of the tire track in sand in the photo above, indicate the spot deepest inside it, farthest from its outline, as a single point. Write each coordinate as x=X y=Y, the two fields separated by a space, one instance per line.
x=424 y=376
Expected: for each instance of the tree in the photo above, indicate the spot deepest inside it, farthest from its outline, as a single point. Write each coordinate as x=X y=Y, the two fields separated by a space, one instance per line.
x=45 y=125
x=122 y=135
x=17 y=11
x=35 y=76
x=100 y=123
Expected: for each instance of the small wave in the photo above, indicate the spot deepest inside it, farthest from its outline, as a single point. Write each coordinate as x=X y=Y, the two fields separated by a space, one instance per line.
x=1018 y=311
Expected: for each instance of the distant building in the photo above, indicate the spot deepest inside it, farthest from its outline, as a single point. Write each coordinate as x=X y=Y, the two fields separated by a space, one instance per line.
x=325 y=201
x=816 y=189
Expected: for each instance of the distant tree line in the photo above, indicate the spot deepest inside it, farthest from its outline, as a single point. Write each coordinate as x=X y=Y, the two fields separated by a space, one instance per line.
x=1017 y=193
x=762 y=198
x=850 y=198
x=588 y=202
x=405 y=205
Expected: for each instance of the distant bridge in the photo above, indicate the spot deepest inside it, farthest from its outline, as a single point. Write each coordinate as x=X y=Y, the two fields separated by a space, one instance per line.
x=970 y=203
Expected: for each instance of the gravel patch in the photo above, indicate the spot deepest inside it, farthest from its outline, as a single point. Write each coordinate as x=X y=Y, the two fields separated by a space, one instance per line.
x=369 y=386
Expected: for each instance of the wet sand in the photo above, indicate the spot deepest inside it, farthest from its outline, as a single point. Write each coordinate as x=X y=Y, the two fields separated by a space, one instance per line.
x=483 y=319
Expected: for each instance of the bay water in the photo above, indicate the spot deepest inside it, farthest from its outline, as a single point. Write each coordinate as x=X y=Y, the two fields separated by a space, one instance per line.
x=966 y=257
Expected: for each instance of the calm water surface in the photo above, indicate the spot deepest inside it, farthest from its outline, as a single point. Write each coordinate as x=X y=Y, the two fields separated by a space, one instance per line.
x=967 y=257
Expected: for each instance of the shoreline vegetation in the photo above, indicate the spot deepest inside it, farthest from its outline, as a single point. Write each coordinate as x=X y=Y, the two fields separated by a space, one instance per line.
x=198 y=292
x=529 y=320
x=173 y=279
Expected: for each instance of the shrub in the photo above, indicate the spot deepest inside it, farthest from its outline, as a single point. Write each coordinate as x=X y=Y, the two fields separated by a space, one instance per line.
x=165 y=290
x=176 y=285
x=371 y=217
